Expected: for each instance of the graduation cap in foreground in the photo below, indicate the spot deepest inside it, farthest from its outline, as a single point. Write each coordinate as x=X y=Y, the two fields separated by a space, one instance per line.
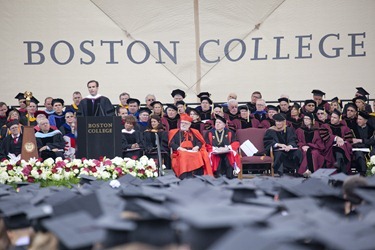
x=76 y=230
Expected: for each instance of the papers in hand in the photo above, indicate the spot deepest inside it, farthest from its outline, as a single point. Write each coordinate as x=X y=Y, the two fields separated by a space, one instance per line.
x=218 y=151
x=248 y=148
x=366 y=150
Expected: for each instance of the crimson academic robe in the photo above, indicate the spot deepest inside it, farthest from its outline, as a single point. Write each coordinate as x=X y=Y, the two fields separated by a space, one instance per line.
x=328 y=133
x=184 y=162
x=170 y=123
x=100 y=106
x=229 y=161
x=311 y=138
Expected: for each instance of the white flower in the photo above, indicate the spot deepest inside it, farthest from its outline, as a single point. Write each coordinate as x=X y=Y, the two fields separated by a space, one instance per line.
x=151 y=163
x=156 y=174
x=3 y=177
x=58 y=159
x=33 y=160
x=373 y=170
x=131 y=163
x=143 y=160
x=56 y=177
x=44 y=175
x=49 y=162
x=114 y=183
x=34 y=173
x=372 y=160
x=117 y=161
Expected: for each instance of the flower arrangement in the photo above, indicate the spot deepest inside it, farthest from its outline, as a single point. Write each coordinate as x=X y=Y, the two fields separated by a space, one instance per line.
x=371 y=166
x=65 y=172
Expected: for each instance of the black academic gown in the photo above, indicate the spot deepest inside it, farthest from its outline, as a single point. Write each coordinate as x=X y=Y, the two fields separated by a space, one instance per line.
x=54 y=140
x=100 y=106
x=290 y=160
x=149 y=141
x=8 y=146
x=368 y=141
x=128 y=140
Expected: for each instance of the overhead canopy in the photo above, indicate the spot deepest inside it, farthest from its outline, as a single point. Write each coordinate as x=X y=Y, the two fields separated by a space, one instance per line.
x=54 y=47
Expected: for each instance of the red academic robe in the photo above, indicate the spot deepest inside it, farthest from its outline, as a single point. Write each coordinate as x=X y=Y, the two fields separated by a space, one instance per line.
x=183 y=161
x=317 y=149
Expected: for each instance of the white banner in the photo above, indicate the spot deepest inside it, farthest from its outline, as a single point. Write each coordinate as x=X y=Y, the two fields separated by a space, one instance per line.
x=54 y=47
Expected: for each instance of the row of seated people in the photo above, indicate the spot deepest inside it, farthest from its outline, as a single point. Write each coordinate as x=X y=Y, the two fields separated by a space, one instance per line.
x=332 y=126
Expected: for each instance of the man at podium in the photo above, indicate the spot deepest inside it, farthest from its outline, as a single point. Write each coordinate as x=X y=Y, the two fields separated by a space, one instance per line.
x=95 y=104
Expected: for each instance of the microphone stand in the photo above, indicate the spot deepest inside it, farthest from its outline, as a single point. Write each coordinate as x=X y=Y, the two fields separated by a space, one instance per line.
x=160 y=167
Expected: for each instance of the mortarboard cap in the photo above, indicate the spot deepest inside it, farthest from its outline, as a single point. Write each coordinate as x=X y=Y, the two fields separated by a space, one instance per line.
x=365 y=115
x=86 y=179
x=178 y=92
x=207 y=99
x=40 y=112
x=310 y=101
x=361 y=97
x=155 y=102
x=203 y=94
x=242 y=192
x=57 y=100
x=367 y=194
x=76 y=230
x=318 y=92
x=310 y=115
x=272 y=107
x=216 y=105
x=279 y=117
x=336 y=99
x=362 y=91
x=283 y=99
x=134 y=100
x=323 y=173
x=20 y=96
x=172 y=106
x=337 y=180
x=218 y=117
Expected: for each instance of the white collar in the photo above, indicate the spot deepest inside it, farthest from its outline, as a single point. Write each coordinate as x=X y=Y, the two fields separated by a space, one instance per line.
x=128 y=132
x=93 y=97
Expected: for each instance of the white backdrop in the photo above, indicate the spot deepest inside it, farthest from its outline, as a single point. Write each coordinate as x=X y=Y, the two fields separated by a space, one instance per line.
x=323 y=44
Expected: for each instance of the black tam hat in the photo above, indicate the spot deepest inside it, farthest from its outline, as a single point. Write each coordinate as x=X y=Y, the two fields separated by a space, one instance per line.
x=279 y=117
x=178 y=92
x=12 y=122
x=218 y=117
x=318 y=92
x=58 y=100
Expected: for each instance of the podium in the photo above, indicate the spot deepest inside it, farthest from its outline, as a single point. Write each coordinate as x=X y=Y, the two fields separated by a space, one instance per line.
x=99 y=136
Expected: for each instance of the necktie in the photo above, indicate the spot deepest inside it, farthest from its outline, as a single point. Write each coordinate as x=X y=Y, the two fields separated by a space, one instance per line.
x=15 y=140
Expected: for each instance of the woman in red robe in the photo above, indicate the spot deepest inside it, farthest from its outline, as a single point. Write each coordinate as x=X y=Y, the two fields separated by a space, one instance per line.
x=311 y=145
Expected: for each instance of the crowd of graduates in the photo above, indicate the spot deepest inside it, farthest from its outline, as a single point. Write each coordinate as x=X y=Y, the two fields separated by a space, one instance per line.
x=303 y=138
